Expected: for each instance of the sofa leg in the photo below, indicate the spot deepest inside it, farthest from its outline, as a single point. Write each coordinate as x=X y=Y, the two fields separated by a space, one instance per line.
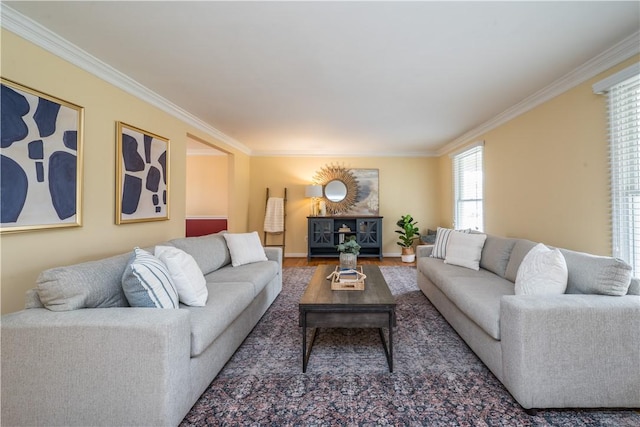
x=531 y=411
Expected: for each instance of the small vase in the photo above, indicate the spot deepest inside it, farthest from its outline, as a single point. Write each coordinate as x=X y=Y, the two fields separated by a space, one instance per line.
x=348 y=261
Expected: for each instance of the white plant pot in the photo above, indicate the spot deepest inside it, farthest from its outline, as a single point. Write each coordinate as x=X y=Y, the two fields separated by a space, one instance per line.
x=408 y=258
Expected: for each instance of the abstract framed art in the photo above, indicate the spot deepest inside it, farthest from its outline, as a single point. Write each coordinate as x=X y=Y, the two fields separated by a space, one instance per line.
x=40 y=160
x=142 y=174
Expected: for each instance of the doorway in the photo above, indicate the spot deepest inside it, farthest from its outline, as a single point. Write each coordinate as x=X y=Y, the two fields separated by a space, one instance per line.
x=207 y=192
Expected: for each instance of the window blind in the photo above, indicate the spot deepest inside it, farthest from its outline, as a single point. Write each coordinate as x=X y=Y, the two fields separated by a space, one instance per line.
x=468 y=184
x=624 y=151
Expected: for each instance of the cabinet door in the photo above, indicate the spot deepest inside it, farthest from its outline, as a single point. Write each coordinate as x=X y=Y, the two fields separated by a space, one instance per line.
x=321 y=233
x=369 y=232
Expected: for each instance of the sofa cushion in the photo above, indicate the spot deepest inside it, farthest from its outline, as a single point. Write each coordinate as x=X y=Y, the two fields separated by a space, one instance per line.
x=185 y=273
x=519 y=251
x=210 y=251
x=259 y=274
x=592 y=274
x=147 y=282
x=93 y=284
x=496 y=253
x=634 y=287
x=543 y=271
x=476 y=293
x=225 y=303
x=245 y=248
x=464 y=249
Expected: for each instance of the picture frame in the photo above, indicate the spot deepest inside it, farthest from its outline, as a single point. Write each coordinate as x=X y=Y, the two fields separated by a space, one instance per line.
x=368 y=200
x=41 y=160
x=142 y=174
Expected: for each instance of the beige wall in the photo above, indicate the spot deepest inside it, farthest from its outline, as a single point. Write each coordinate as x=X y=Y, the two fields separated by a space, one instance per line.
x=546 y=173
x=207 y=186
x=25 y=255
x=407 y=185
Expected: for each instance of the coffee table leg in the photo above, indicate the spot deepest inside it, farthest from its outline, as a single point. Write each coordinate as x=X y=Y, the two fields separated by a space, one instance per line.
x=388 y=348
x=306 y=353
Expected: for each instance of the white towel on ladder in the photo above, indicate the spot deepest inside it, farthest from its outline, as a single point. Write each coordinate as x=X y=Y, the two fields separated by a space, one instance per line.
x=274 y=215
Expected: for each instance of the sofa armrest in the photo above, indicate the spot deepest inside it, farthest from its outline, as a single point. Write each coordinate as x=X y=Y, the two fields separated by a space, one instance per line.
x=109 y=366
x=571 y=350
x=423 y=251
x=274 y=254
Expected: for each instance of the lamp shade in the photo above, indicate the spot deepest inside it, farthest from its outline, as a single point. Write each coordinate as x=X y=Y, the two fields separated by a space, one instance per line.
x=313 y=191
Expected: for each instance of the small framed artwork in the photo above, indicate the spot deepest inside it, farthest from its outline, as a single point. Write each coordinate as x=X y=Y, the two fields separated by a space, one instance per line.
x=142 y=173
x=40 y=160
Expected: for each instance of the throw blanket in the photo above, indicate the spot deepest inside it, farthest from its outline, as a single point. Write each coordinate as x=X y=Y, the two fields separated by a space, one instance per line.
x=274 y=215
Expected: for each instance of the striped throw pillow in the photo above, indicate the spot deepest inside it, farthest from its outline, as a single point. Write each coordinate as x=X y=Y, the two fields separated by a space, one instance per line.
x=147 y=283
x=442 y=240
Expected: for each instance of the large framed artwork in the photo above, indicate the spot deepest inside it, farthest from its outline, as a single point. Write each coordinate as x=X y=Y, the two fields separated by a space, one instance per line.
x=142 y=174
x=368 y=199
x=40 y=160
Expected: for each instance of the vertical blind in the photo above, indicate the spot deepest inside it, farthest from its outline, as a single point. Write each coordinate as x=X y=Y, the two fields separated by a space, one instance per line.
x=624 y=151
x=467 y=179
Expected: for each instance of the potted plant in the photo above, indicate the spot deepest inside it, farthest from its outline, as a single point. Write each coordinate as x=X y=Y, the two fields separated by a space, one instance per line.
x=408 y=233
x=349 y=251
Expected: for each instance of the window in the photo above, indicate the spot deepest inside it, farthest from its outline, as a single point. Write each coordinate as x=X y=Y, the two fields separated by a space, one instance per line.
x=623 y=92
x=467 y=184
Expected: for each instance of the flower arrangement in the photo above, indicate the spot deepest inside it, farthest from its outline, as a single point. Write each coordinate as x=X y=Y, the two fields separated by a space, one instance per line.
x=349 y=246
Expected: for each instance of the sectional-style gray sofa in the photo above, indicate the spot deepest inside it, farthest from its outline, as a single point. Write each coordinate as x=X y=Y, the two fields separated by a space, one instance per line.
x=578 y=349
x=124 y=366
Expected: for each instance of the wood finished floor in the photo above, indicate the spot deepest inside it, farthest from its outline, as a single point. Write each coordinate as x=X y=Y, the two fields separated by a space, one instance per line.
x=386 y=261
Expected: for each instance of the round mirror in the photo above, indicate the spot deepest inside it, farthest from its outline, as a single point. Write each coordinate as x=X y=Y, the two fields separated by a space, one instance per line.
x=340 y=188
x=335 y=191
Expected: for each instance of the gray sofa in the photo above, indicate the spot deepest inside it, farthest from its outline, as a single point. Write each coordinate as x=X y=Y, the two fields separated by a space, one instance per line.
x=120 y=365
x=577 y=349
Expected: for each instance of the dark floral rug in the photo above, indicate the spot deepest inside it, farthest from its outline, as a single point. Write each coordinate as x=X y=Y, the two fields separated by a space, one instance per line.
x=437 y=379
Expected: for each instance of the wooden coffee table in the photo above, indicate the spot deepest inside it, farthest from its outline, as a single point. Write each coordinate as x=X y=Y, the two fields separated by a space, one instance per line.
x=374 y=307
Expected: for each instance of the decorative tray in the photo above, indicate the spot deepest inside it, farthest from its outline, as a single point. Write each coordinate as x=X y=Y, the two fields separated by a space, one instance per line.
x=347 y=280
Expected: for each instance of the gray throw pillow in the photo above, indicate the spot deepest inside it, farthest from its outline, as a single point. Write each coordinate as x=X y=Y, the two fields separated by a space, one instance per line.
x=519 y=251
x=210 y=251
x=93 y=284
x=496 y=253
x=592 y=274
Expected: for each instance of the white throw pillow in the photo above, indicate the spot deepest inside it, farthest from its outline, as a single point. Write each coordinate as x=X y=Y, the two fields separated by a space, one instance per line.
x=186 y=275
x=465 y=249
x=442 y=240
x=146 y=282
x=543 y=271
x=245 y=248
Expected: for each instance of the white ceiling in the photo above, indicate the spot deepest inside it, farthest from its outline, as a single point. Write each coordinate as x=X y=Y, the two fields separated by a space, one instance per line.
x=342 y=78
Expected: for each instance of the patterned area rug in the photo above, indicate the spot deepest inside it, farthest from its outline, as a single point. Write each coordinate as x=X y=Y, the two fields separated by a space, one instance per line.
x=437 y=379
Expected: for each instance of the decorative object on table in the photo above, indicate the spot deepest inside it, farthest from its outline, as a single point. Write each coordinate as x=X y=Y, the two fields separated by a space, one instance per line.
x=347 y=280
x=41 y=160
x=349 y=251
x=343 y=229
x=314 y=192
x=340 y=188
x=322 y=208
x=142 y=175
x=407 y=234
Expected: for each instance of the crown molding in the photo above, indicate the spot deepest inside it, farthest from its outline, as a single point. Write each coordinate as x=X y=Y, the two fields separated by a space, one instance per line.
x=327 y=154
x=609 y=58
x=39 y=35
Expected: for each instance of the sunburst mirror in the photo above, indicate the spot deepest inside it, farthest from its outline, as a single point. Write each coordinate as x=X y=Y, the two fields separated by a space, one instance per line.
x=340 y=188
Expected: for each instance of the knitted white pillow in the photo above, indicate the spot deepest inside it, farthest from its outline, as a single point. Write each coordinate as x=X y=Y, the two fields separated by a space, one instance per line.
x=465 y=249
x=245 y=248
x=543 y=271
x=186 y=275
x=442 y=240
